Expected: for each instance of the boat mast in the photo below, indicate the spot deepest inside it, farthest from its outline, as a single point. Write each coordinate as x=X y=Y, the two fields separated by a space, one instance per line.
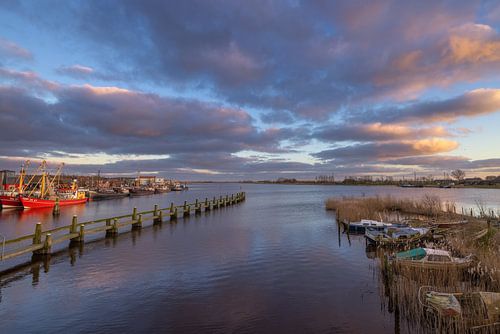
x=41 y=167
x=22 y=176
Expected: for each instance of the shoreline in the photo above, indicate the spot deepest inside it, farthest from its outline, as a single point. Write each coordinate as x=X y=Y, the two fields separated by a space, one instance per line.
x=312 y=183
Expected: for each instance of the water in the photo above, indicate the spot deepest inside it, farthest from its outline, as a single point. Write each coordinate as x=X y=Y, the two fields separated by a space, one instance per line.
x=274 y=263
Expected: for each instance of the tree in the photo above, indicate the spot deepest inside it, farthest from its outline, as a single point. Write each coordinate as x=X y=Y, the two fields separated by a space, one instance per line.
x=458 y=174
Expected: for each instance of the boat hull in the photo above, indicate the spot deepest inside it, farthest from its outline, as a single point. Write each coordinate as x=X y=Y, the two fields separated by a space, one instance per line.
x=35 y=203
x=8 y=202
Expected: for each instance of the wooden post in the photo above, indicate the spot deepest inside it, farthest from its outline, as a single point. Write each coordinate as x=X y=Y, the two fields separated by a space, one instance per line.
x=197 y=207
x=114 y=230
x=81 y=237
x=215 y=204
x=37 y=238
x=56 y=211
x=134 y=214
x=173 y=216
x=159 y=218
x=47 y=246
x=138 y=224
x=207 y=204
x=471 y=212
x=155 y=210
x=186 y=209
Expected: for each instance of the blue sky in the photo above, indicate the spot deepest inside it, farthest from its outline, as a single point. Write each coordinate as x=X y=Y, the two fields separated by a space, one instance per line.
x=251 y=90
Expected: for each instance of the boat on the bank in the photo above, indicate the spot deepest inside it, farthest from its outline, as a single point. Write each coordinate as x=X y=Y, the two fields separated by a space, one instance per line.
x=10 y=195
x=427 y=258
x=395 y=236
x=449 y=224
x=363 y=224
x=477 y=310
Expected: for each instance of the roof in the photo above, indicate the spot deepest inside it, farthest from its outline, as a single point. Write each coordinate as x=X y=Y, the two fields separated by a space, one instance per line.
x=436 y=251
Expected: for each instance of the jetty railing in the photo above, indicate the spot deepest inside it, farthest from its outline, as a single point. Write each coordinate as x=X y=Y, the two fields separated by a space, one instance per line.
x=41 y=242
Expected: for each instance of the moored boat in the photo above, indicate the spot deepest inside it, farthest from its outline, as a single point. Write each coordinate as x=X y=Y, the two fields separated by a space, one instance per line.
x=476 y=310
x=363 y=224
x=47 y=196
x=141 y=191
x=449 y=224
x=427 y=258
x=35 y=203
x=395 y=236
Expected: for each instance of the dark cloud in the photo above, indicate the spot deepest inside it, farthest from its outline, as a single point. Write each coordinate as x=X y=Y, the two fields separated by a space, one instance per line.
x=371 y=153
x=375 y=132
x=470 y=104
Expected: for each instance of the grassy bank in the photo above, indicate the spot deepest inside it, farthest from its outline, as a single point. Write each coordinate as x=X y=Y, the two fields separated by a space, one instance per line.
x=479 y=238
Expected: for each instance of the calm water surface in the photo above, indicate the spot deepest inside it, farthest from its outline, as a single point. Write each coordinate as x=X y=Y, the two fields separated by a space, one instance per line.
x=274 y=263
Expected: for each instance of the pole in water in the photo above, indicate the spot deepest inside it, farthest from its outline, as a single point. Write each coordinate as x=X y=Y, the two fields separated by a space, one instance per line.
x=56 y=211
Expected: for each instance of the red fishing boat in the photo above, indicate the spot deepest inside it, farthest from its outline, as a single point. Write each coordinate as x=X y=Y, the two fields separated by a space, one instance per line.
x=47 y=196
x=9 y=196
x=34 y=203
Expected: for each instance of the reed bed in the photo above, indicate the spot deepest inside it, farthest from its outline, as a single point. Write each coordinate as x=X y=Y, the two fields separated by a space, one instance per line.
x=400 y=288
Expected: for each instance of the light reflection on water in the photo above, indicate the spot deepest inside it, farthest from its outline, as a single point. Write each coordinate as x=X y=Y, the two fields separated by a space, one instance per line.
x=274 y=263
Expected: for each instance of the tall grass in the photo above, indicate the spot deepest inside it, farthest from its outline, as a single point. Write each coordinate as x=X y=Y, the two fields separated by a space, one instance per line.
x=400 y=287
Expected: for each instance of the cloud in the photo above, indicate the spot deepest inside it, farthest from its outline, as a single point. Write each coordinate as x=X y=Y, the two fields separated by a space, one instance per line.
x=77 y=71
x=10 y=49
x=474 y=103
x=371 y=153
x=376 y=132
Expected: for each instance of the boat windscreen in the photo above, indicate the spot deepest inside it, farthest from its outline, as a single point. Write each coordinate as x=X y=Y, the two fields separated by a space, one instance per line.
x=412 y=254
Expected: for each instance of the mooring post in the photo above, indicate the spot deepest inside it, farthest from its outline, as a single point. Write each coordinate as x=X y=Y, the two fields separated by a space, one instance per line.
x=56 y=211
x=134 y=214
x=214 y=204
x=197 y=208
x=138 y=224
x=37 y=238
x=81 y=237
x=73 y=228
x=47 y=245
x=471 y=212
x=155 y=210
x=186 y=209
x=207 y=204
x=114 y=230
x=221 y=201
x=159 y=218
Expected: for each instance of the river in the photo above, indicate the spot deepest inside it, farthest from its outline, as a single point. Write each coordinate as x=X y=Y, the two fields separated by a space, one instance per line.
x=274 y=263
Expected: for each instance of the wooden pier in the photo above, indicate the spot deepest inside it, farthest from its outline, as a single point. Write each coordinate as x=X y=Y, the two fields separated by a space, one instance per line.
x=41 y=242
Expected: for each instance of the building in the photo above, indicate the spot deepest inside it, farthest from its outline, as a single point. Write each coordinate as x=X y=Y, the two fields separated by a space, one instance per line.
x=145 y=180
x=7 y=177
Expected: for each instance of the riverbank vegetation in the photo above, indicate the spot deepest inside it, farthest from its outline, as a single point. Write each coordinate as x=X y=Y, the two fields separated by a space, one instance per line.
x=404 y=292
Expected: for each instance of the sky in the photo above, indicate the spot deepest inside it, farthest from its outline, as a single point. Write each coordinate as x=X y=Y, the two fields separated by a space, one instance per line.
x=251 y=90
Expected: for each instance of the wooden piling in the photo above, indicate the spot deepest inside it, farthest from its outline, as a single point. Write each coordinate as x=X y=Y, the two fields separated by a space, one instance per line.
x=197 y=207
x=56 y=210
x=47 y=246
x=207 y=204
x=81 y=236
x=159 y=218
x=155 y=210
x=114 y=229
x=186 y=209
x=37 y=238
x=138 y=223
x=215 y=204
x=134 y=214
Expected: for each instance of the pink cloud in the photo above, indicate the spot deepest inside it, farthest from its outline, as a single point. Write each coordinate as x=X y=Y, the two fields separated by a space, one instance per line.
x=11 y=49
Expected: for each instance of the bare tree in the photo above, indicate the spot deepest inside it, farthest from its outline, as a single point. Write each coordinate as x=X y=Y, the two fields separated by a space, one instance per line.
x=458 y=174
